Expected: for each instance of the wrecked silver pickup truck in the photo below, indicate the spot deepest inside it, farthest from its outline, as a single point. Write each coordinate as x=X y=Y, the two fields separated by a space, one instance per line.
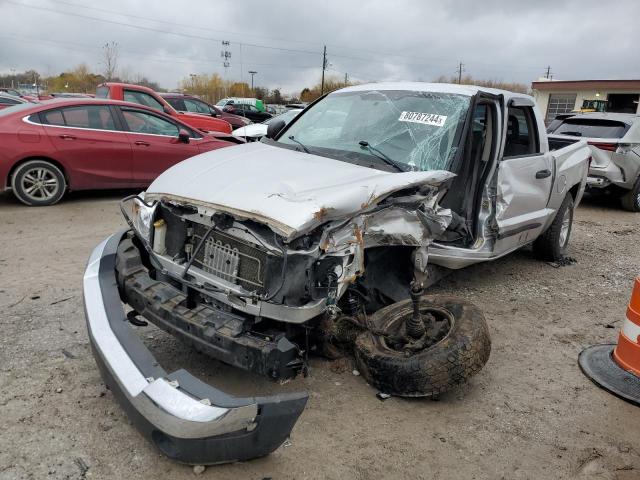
x=323 y=238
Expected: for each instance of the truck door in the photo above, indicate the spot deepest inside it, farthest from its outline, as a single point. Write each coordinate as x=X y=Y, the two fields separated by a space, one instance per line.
x=525 y=176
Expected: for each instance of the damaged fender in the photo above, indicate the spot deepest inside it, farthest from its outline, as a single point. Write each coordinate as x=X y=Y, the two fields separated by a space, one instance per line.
x=186 y=419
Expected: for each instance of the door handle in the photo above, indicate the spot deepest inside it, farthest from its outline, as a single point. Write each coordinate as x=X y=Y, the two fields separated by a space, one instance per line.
x=64 y=136
x=142 y=143
x=543 y=173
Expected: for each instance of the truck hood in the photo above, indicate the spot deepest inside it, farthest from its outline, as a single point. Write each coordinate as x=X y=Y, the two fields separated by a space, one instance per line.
x=292 y=192
x=205 y=122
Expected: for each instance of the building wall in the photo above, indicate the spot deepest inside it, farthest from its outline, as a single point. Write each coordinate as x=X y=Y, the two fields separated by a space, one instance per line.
x=542 y=97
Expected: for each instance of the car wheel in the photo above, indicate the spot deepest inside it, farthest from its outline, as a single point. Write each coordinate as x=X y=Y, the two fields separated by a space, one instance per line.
x=38 y=183
x=631 y=200
x=457 y=347
x=552 y=244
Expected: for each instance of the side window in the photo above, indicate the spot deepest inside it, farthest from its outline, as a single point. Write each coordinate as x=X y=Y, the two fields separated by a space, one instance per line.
x=102 y=92
x=177 y=103
x=8 y=101
x=196 y=106
x=145 y=122
x=97 y=117
x=142 y=98
x=52 y=117
x=522 y=133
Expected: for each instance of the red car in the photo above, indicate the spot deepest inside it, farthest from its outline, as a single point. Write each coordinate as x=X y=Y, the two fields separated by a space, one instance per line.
x=148 y=97
x=188 y=103
x=85 y=143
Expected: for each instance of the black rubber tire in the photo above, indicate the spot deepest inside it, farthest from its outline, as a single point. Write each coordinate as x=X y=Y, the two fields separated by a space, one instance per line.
x=630 y=201
x=548 y=246
x=53 y=171
x=434 y=370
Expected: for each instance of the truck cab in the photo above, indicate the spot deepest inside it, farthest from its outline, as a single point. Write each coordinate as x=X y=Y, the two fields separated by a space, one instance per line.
x=149 y=98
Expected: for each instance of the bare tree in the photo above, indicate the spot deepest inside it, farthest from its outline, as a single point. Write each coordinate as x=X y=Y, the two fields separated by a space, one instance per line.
x=110 y=51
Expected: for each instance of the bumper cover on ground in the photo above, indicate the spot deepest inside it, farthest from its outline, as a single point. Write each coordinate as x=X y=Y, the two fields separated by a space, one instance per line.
x=188 y=420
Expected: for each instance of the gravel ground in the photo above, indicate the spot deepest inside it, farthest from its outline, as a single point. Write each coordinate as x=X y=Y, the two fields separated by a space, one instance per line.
x=529 y=414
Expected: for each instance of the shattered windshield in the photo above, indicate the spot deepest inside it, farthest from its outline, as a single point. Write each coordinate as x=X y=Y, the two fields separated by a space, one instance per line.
x=417 y=130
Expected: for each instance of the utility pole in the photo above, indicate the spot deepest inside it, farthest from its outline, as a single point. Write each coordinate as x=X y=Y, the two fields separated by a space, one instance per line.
x=548 y=75
x=324 y=67
x=226 y=55
x=252 y=73
x=460 y=70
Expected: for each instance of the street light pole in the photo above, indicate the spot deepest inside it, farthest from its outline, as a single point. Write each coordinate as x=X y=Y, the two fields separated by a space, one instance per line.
x=252 y=73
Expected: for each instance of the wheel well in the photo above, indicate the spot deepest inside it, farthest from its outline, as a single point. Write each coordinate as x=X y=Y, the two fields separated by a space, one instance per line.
x=44 y=159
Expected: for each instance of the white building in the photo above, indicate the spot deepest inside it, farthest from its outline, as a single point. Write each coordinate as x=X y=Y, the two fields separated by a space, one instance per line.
x=564 y=96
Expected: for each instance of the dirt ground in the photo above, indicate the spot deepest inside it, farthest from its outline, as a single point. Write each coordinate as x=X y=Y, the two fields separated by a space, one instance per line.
x=529 y=414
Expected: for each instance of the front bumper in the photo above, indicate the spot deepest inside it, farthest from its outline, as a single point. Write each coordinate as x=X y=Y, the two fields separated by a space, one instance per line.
x=188 y=420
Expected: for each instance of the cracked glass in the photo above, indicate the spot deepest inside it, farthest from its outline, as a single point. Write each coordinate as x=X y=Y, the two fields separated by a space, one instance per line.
x=418 y=130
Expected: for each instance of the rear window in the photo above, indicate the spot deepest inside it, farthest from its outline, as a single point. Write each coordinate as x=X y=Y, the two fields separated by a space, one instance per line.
x=102 y=92
x=594 y=128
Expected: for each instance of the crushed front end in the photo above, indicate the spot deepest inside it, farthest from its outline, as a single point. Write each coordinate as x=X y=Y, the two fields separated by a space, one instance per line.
x=186 y=419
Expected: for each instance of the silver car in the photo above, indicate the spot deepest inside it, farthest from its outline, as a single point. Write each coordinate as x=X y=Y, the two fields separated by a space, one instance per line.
x=614 y=139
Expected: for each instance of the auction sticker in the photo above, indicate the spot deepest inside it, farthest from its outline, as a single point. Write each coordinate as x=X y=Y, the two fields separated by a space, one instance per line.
x=424 y=118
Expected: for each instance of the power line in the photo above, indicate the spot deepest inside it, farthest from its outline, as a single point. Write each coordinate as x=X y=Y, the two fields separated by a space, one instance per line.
x=147 y=57
x=156 y=30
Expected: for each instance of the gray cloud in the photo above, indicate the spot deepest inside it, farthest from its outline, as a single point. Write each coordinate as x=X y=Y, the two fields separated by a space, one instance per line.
x=375 y=40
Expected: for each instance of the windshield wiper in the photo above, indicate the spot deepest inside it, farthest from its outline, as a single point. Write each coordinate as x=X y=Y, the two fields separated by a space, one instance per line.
x=291 y=137
x=382 y=156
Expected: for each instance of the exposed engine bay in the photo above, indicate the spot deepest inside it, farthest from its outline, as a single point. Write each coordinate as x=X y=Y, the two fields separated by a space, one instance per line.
x=259 y=296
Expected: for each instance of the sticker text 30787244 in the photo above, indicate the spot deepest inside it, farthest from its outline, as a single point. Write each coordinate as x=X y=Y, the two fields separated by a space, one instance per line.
x=424 y=118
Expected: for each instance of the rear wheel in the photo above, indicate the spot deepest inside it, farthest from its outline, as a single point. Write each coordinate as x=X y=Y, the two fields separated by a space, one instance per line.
x=38 y=183
x=552 y=244
x=631 y=200
x=455 y=347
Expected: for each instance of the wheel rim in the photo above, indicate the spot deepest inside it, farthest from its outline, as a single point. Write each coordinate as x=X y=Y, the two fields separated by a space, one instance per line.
x=566 y=226
x=39 y=184
x=638 y=201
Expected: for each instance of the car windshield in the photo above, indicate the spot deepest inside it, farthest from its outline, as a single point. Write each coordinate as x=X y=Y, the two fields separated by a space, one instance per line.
x=286 y=117
x=418 y=130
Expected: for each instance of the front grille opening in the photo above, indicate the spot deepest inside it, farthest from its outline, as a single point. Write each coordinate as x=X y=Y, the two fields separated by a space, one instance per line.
x=231 y=259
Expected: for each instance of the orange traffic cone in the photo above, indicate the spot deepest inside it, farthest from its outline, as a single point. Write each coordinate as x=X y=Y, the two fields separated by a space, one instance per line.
x=617 y=368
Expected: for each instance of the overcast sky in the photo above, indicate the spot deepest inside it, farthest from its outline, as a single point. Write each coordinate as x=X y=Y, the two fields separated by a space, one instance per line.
x=282 y=40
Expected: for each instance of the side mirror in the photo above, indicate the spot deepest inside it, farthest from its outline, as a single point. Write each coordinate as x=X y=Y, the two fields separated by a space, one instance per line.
x=183 y=136
x=275 y=128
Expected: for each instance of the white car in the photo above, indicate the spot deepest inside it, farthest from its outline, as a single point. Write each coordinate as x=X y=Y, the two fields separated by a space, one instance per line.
x=255 y=131
x=614 y=139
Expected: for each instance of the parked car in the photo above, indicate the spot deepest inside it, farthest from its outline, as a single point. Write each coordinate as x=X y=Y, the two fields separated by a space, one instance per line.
x=324 y=235
x=8 y=100
x=147 y=97
x=188 y=103
x=249 y=111
x=614 y=139
x=11 y=91
x=256 y=102
x=87 y=144
x=256 y=131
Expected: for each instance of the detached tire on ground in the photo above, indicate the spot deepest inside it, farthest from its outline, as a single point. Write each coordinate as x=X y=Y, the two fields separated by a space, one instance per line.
x=631 y=200
x=450 y=362
x=552 y=244
x=38 y=183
